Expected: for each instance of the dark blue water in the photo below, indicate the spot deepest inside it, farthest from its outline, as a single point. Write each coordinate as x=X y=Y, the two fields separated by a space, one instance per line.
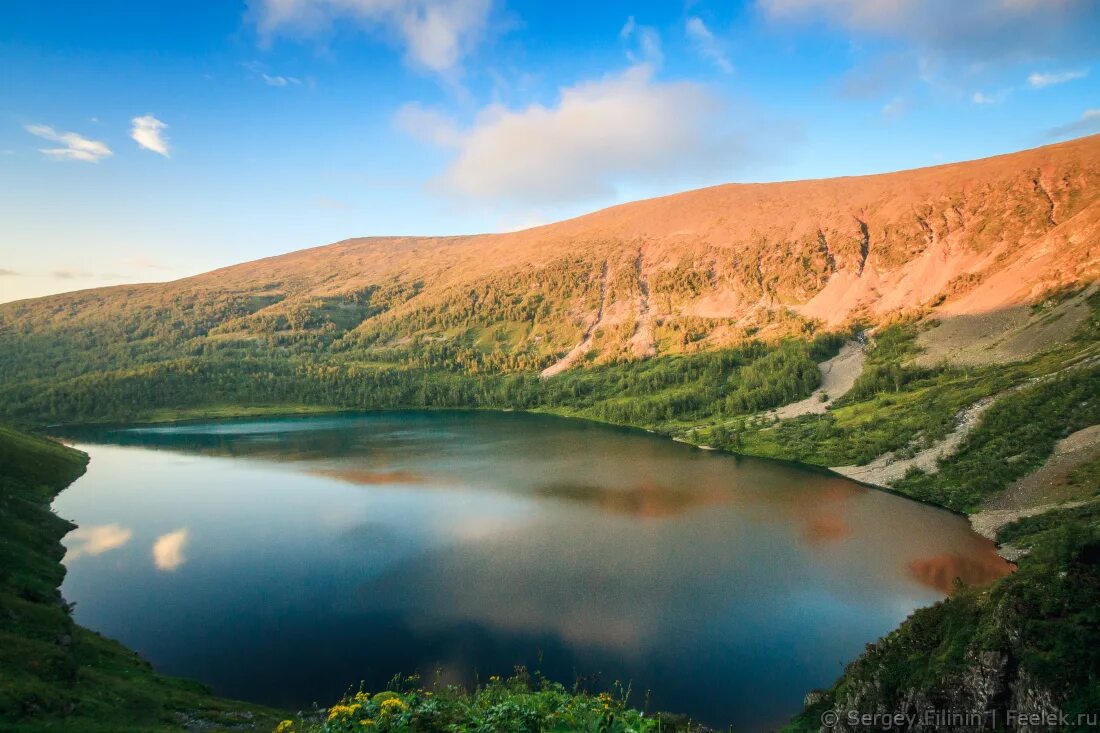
x=283 y=560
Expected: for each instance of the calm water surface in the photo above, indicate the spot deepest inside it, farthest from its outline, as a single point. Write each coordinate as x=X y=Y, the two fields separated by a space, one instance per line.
x=282 y=560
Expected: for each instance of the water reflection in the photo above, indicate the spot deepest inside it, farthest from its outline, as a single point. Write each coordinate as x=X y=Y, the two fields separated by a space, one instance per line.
x=351 y=548
x=95 y=540
x=646 y=500
x=168 y=550
x=945 y=572
x=368 y=477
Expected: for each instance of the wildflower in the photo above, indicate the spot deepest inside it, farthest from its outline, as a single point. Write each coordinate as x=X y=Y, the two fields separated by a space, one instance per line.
x=362 y=696
x=381 y=697
x=286 y=726
x=343 y=711
x=393 y=705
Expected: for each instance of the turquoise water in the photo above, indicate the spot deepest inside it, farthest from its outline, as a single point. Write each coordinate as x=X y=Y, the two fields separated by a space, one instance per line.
x=283 y=560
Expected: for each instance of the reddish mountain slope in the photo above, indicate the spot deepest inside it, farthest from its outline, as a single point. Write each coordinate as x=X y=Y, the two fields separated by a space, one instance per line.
x=694 y=270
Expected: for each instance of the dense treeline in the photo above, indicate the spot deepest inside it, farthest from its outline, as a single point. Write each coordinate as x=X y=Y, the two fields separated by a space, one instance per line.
x=688 y=387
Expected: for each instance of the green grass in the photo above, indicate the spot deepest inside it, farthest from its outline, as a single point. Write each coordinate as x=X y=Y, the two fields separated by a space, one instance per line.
x=520 y=704
x=54 y=674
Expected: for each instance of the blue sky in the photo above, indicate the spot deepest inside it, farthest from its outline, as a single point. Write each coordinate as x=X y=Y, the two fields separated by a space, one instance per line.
x=148 y=141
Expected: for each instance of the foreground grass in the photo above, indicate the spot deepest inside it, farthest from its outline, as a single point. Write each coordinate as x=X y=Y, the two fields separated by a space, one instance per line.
x=519 y=704
x=54 y=674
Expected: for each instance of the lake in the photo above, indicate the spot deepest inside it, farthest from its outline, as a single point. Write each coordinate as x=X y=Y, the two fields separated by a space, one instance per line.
x=283 y=560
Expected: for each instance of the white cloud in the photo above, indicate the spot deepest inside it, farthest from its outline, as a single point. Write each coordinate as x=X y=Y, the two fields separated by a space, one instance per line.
x=146 y=132
x=1088 y=124
x=991 y=98
x=647 y=43
x=76 y=147
x=600 y=135
x=976 y=29
x=95 y=540
x=435 y=34
x=279 y=81
x=706 y=44
x=168 y=550
x=1039 y=80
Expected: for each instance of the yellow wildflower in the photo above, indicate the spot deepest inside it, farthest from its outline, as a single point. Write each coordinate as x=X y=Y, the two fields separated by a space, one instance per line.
x=362 y=696
x=393 y=705
x=342 y=711
x=286 y=726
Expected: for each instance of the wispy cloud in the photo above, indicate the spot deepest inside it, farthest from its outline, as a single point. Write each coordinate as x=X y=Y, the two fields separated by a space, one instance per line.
x=706 y=45
x=147 y=133
x=644 y=43
x=1038 y=80
x=599 y=135
x=987 y=98
x=1088 y=124
x=71 y=274
x=427 y=124
x=168 y=550
x=436 y=34
x=978 y=30
x=74 y=146
x=280 y=81
x=895 y=109
x=8 y=273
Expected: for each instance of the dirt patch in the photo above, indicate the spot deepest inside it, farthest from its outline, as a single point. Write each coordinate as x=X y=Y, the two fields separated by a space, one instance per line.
x=837 y=377
x=1048 y=484
x=989 y=521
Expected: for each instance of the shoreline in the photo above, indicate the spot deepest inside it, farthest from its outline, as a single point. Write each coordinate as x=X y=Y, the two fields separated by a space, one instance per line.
x=239 y=412
x=277 y=411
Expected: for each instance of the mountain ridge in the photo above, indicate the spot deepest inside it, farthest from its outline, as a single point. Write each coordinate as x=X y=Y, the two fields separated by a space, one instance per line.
x=694 y=271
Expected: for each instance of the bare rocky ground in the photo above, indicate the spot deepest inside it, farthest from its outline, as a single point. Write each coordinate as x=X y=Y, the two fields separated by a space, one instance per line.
x=998 y=337
x=837 y=377
x=1047 y=484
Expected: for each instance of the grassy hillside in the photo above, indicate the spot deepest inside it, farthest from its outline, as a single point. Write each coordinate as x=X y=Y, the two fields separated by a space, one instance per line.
x=55 y=675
